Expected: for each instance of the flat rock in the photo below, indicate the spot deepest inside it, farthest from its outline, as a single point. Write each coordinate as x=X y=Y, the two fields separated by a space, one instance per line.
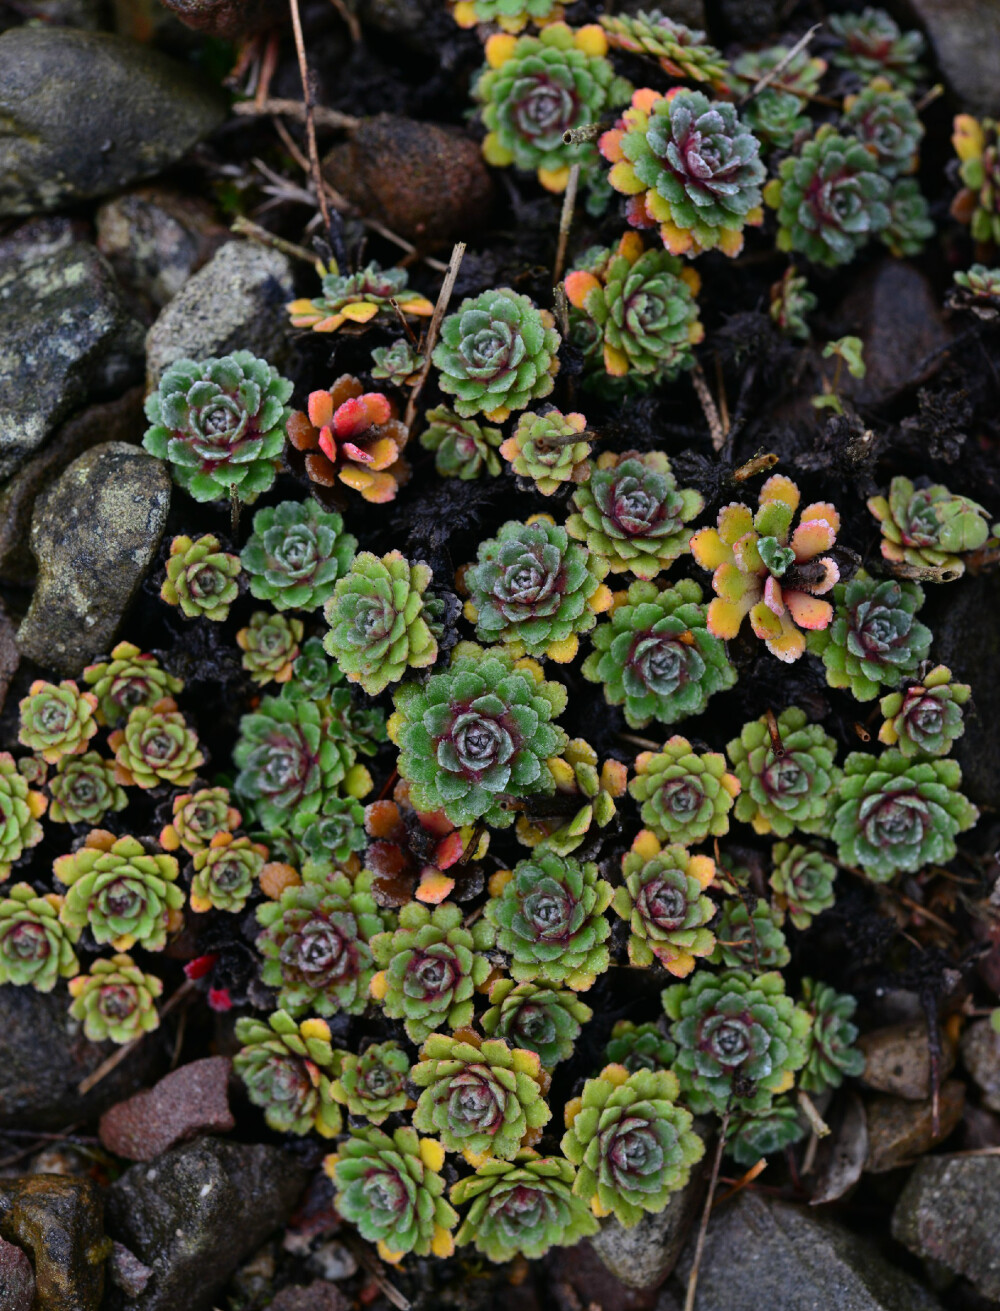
x=59 y=1223
x=94 y=533
x=964 y=36
x=426 y=182
x=947 y=1214
x=87 y=113
x=186 y=1102
x=46 y=1056
x=770 y=1254
x=898 y=1061
x=61 y=315
x=980 y=1049
x=236 y=302
x=17 y=1279
x=195 y=1213
x=900 y=1130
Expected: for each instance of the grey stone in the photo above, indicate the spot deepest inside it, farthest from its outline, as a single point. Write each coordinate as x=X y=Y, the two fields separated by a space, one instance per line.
x=59 y=1223
x=46 y=1057
x=61 y=315
x=17 y=1279
x=86 y=113
x=980 y=1049
x=41 y=236
x=771 y=1254
x=126 y=1271
x=964 y=36
x=194 y=1214
x=94 y=533
x=236 y=302
x=191 y=1100
x=947 y=1214
x=93 y=15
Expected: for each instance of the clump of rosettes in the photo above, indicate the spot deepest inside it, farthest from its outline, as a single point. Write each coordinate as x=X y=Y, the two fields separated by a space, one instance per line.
x=690 y=167
x=201 y=578
x=381 y=621
x=633 y=1146
x=315 y=943
x=777 y=118
x=393 y=1190
x=352 y=436
x=655 y=655
x=481 y=1097
x=219 y=424
x=887 y=122
x=791 y=301
x=977 y=290
x=20 y=810
x=497 y=353
x=508 y=15
x=751 y=941
x=84 y=789
x=56 y=721
x=873 y=45
x=412 y=851
x=296 y=553
x=802 y=881
x=762 y=568
x=534 y=590
x=579 y=782
x=663 y=900
x=832 y=1053
x=639 y=1047
x=541 y=1019
x=116 y=1001
x=681 y=51
x=226 y=872
x=479 y=730
x=463 y=448
x=398 y=364
x=197 y=818
x=374 y=1083
x=431 y=966
x=831 y=198
x=910 y=224
x=130 y=678
x=286 y=1068
x=121 y=893
x=927 y=718
x=156 y=746
x=270 y=646
x=633 y=514
x=739 y=1039
x=522 y=1207
x=875 y=639
x=634 y=313
x=929 y=528
x=977 y=145
x=549 y=917
x=534 y=89
x=358 y=298
x=685 y=796
x=35 y=949
x=801 y=72
x=332 y=833
x=550 y=448
x=895 y=815
x=787 y=774
x=766 y=1133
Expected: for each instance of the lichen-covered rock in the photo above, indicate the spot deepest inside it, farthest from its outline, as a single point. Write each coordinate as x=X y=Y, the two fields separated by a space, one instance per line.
x=946 y=1214
x=58 y=1222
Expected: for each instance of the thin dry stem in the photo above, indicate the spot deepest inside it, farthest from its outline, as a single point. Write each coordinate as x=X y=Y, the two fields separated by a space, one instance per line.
x=116 y=1057
x=780 y=66
x=708 y=407
x=444 y=296
x=566 y=222
x=245 y=227
x=296 y=109
x=699 y=1247
x=307 y=97
x=350 y=19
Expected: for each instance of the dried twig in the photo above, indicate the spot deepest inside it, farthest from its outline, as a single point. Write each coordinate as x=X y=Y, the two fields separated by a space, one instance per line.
x=308 y=109
x=699 y=1247
x=245 y=227
x=759 y=464
x=116 y=1058
x=350 y=18
x=375 y=1268
x=296 y=109
x=817 y=1124
x=708 y=407
x=444 y=296
x=742 y=1182
x=566 y=222
x=780 y=66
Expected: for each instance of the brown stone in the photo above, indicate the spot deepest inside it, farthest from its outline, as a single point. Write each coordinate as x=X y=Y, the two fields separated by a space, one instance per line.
x=229 y=19
x=428 y=183
x=900 y=1130
x=898 y=1062
x=59 y=1223
x=189 y=1101
x=17 y=1279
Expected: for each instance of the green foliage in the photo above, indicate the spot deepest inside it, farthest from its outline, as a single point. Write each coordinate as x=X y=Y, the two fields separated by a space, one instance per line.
x=682 y=51
x=895 y=815
x=497 y=353
x=156 y=746
x=766 y=1132
x=633 y=1146
x=663 y=899
x=926 y=719
x=479 y=730
x=684 y=796
x=978 y=289
x=56 y=721
x=549 y=917
x=596 y=791
x=536 y=1017
x=802 y=881
x=286 y=1069
x=929 y=526
x=35 y=949
x=788 y=787
x=116 y=1001
x=313 y=675
x=751 y=942
x=226 y=872
x=522 y=1207
x=332 y=832
x=381 y=621
x=801 y=71
x=84 y=789
x=632 y=513
x=120 y=892
x=480 y=1097
x=270 y=646
x=197 y=818
x=910 y=224
x=655 y=655
x=791 y=301
x=296 y=553
x=551 y=449
x=739 y=1039
x=374 y=1083
x=463 y=448
x=832 y=1053
x=777 y=118
x=201 y=578
x=639 y=1047
x=358 y=298
x=875 y=639
x=220 y=425
x=873 y=45
x=398 y=364
x=885 y=119
x=129 y=679
x=431 y=966
x=20 y=811
x=316 y=943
